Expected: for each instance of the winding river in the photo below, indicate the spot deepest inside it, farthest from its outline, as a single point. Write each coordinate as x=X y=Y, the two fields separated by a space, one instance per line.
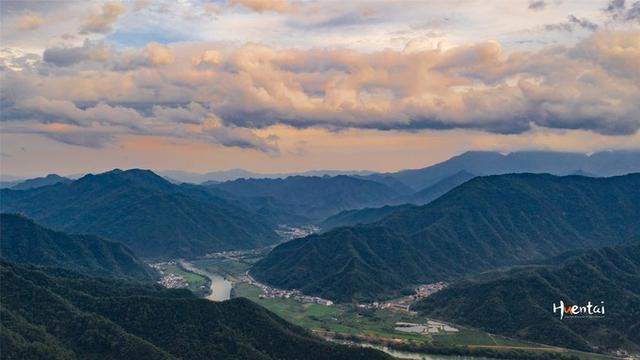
x=220 y=288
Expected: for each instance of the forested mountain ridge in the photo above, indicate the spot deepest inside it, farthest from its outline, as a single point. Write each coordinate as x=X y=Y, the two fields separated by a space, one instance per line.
x=485 y=223
x=313 y=198
x=360 y=216
x=57 y=314
x=519 y=302
x=24 y=241
x=144 y=211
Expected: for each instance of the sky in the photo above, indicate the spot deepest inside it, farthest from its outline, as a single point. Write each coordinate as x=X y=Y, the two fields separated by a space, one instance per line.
x=286 y=85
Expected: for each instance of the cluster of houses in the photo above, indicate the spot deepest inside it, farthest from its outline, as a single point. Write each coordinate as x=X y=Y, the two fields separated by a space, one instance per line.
x=169 y=280
x=269 y=292
x=425 y=290
x=431 y=327
x=291 y=232
x=173 y=281
x=404 y=303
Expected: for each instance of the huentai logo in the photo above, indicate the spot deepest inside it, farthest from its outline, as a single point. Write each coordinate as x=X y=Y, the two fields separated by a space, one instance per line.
x=579 y=311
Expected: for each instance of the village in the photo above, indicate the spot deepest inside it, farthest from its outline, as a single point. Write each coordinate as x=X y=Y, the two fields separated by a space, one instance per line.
x=169 y=280
x=292 y=232
x=404 y=303
x=269 y=292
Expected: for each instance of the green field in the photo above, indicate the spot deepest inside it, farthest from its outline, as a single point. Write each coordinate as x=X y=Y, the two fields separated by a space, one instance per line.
x=230 y=269
x=347 y=319
x=367 y=324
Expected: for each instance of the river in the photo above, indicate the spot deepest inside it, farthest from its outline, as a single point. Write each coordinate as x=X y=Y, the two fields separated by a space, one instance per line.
x=407 y=354
x=220 y=288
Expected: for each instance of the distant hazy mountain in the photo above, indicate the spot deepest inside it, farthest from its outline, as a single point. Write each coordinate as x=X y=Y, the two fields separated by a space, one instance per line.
x=309 y=197
x=50 y=179
x=371 y=215
x=9 y=183
x=607 y=163
x=390 y=181
x=56 y=314
x=440 y=188
x=484 y=223
x=361 y=216
x=152 y=216
x=519 y=303
x=233 y=174
x=24 y=241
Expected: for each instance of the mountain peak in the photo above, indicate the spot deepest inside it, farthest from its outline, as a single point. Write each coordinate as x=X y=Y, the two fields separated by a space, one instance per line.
x=139 y=177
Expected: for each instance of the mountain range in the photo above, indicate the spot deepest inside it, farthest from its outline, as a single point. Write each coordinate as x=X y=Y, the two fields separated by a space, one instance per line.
x=482 y=224
x=50 y=313
x=234 y=174
x=24 y=241
x=605 y=163
x=305 y=198
x=519 y=302
x=150 y=215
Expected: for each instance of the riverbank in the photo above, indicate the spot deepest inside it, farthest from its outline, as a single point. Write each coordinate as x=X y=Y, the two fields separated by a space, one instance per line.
x=219 y=287
x=377 y=327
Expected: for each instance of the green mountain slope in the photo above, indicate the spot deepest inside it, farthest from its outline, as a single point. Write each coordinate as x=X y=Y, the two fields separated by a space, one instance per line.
x=144 y=211
x=361 y=216
x=62 y=315
x=520 y=302
x=485 y=223
x=24 y=241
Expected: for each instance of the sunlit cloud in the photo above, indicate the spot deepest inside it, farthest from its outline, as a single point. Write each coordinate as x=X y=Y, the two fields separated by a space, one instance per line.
x=226 y=74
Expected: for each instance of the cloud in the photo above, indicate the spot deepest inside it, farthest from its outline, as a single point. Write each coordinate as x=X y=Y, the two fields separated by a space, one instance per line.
x=537 y=5
x=29 y=21
x=615 y=5
x=583 y=23
x=153 y=54
x=240 y=137
x=208 y=57
x=158 y=54
x=17 y=60
x=99 y=125
x=66 y=56
x=593 y=85
x=96 y=140
x=572 y=23
x=618 y=10
x=102 y=21
x=280 y=6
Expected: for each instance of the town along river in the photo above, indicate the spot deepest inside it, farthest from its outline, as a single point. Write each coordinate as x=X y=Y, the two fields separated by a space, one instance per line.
x=220 y=288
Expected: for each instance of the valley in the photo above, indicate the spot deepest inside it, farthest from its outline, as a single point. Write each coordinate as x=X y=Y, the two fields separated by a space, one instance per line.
x=410 y=280
x=387 y=328
x=320 y=180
